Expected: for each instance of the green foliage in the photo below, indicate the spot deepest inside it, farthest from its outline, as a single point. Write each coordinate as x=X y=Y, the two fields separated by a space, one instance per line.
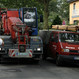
x=63 y=9
x=53 y=6
x=21 y=3
x=58 y=7
x=52 y=16
x=57 y=21
x=49 y=8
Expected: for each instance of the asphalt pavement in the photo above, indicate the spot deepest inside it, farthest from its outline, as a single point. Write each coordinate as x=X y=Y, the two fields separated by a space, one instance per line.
x=43 y=70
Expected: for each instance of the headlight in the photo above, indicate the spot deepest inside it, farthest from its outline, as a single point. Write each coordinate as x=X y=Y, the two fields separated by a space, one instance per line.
x=38 y=49
x=1 y=42
x=0 y=48
x=65 y=50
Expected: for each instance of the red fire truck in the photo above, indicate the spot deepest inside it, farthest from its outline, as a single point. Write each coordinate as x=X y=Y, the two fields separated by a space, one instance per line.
x=61 y=45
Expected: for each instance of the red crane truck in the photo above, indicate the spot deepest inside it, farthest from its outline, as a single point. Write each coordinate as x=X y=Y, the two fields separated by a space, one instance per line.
x=15 y=41
x=60 y=45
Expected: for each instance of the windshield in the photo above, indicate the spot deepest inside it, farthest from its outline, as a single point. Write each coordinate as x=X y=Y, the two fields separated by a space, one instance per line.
x=30 y=17
x=69 y=37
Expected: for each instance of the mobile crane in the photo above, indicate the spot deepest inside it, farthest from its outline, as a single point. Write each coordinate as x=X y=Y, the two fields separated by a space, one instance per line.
x=19 y=38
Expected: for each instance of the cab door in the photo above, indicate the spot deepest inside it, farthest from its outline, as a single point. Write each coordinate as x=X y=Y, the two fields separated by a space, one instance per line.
x=53 y=44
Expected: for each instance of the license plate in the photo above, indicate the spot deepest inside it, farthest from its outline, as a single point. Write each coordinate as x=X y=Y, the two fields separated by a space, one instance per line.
x=16 y=53
x=23 y=55
x=76 y=58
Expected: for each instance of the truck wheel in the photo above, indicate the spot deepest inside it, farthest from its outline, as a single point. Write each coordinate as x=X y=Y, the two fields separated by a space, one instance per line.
x=58 y=60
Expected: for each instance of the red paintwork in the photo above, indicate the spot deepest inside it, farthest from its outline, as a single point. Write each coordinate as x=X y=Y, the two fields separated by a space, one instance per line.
x=10 y=21
x=56 y=47
x=12 y=14
x=1 y=10
x=5 y=23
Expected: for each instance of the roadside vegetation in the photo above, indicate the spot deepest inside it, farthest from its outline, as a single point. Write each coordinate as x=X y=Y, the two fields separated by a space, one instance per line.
x=50 y=9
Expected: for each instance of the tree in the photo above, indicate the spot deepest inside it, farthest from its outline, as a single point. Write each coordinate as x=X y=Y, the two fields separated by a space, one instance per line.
x=57 y=21
x=21 y=3
x=49 y=8
x=45 y=3
x=43 y=7
x=53 y=11
x=63 y=9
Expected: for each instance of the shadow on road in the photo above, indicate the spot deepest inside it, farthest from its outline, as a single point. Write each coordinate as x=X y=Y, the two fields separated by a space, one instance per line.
x=19 y=62
x=48 y=62
x=65 y=64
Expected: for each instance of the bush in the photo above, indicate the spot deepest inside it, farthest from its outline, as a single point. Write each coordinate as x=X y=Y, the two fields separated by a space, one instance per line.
x=57 y=21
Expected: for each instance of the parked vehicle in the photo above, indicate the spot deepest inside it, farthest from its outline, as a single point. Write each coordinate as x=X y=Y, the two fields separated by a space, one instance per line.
x=19 y=39
x=60 y=45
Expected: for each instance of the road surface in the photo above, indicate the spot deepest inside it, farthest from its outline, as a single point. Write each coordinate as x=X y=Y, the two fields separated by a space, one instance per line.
x=44 y=70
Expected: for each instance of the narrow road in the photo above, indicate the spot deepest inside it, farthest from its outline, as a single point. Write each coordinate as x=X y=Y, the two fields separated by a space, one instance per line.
x=44 y=70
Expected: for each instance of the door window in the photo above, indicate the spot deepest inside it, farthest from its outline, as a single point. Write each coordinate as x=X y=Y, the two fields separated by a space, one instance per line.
x=54 y=37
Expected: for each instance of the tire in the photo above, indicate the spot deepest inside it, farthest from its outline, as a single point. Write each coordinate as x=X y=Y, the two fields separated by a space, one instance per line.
x=58 y=60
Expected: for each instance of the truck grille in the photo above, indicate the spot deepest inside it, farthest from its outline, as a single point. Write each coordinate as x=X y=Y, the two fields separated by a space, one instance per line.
x=74 y=51
x=74 y=54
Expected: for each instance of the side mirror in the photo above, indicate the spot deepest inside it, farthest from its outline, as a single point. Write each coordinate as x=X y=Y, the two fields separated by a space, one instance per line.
x=41 y=18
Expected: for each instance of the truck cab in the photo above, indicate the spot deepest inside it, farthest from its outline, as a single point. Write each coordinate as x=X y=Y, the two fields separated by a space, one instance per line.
x=64 y=46
x=29 y=17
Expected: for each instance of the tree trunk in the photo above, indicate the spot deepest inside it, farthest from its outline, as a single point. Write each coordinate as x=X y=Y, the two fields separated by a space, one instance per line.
x=46 y=14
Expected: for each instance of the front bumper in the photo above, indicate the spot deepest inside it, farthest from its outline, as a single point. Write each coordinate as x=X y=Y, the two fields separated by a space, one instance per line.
x=14 y=53
x=69 y=58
